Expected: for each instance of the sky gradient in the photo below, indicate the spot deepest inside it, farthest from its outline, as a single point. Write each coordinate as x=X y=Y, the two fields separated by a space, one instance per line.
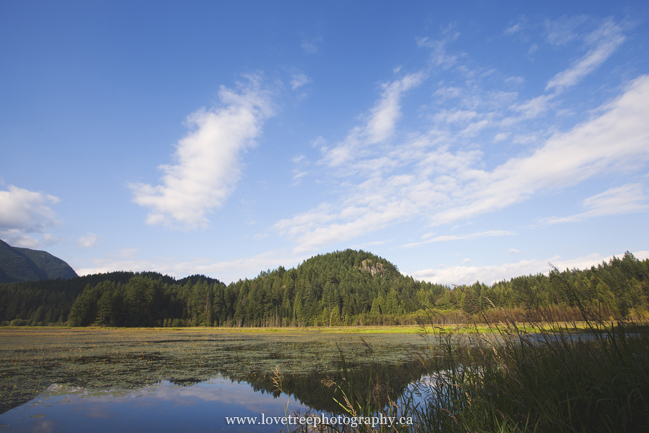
x=462 y=141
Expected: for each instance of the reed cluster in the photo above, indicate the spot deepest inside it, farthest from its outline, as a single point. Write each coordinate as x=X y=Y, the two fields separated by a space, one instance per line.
x=549 y=375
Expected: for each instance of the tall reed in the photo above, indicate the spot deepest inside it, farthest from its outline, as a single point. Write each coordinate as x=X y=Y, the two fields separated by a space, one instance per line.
x=555 y=378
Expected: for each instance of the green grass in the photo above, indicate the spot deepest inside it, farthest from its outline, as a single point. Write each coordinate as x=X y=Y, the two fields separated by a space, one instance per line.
x=387 y=329
x=550 y=377
x=520 y=384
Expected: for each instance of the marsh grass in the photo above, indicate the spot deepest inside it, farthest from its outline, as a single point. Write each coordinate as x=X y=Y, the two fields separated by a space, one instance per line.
x=543 y=382
x=379 y=394
x=541 y=377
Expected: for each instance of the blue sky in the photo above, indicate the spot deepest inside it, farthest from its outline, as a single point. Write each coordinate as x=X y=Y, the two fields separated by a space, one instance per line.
x=462 y=141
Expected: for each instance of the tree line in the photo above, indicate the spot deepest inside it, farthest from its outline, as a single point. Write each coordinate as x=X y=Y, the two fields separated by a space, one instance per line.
x=341 y=288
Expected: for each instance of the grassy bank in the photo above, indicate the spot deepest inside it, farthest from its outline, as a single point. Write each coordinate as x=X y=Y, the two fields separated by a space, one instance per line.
x=543 y=382
x=541 y=377
x=461 y=328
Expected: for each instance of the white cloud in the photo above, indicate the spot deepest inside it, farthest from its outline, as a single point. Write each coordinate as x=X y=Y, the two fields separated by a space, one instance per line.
x=380 y=124
x=606 y=39
x=17 y=239
x=87 y=241
x=444 y=186
x=310 y=46
x=447 y=238
x=494 y=273
x=387 y=111
x=513 y=29
x=26 y=210
x=473 y=128
x=439 y=56
x=515 y=80
x=603 y=42
x=455 y=116
x=615 y=201
x=23 y=211
x=299 y=175
x=534 y=107
x=515 y=26
x=299 y=80
x=616 y=138
x=513 y=251
x=208 y=158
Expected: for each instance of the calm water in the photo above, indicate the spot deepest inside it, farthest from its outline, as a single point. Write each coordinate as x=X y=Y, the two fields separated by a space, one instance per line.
x=186 y=381
x=163 y=407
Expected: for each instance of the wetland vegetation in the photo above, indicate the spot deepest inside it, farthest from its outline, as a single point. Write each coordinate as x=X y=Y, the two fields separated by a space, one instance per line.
x=542 y=378
x=31 y=360
x=568 y=352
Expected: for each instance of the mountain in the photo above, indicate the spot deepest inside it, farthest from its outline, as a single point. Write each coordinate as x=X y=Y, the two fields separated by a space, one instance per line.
x=23 y=264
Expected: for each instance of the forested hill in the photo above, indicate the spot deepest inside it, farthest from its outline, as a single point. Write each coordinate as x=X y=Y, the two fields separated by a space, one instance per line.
x=341 y=288
x=24 y=264
x=49 y=301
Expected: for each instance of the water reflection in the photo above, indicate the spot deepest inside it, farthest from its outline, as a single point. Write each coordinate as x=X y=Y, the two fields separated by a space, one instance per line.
x=191 y=406
x=163 y=407
x=32 y=360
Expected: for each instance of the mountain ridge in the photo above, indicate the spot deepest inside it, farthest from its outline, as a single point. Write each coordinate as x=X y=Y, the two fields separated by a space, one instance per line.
x=24 y=264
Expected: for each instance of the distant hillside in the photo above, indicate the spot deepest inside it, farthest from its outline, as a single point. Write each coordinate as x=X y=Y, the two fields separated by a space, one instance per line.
x=340 y=288
x=49 y=301
x=23 y=264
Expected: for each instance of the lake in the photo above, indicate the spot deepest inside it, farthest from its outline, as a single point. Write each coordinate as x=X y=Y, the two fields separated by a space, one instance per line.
x=190 y=380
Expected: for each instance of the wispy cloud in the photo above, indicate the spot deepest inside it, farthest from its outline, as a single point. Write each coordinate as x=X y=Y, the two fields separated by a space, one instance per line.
x=87 y=241
x=310 y=46
x=516 y=26
x=380 y=124
x=534 y=107
x=446 y=186
x=602 y=43
x=563 y=30
x=605 y=40
x=455 y=116
x=448 y=238
x=208 y=158
x=604 y=143
x=615 y=201
x=386 y=112
x=439 y=56
x=320 y=227
x=299 y=80
x=299 y=175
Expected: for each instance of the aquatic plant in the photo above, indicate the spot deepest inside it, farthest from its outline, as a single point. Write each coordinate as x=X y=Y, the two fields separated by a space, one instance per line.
x=549 y=376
